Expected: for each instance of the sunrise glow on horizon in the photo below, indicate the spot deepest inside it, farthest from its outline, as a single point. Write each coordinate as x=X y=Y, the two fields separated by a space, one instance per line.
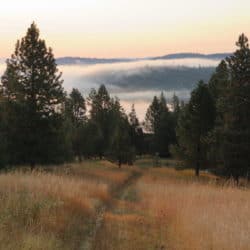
x=116 y=28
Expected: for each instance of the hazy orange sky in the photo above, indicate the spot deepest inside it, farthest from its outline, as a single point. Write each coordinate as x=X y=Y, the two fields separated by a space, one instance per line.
x=132 y=28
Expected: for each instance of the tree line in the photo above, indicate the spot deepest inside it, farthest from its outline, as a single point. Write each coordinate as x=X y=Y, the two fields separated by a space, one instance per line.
x=42 y=124
x=213 y=128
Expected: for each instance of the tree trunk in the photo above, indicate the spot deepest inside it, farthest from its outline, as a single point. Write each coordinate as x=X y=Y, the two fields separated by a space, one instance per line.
x=32 y=165
x=197 y=167
x=248 y=176
x=119 y=163
x=100 y=156
x=80 y=158
x=236 y=179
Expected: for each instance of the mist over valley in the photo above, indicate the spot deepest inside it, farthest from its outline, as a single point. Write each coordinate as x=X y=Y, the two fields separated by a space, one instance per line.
x=137 y=80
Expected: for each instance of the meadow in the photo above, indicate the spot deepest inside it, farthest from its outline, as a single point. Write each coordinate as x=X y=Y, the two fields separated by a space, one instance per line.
x=95 y=205
x=54 y=208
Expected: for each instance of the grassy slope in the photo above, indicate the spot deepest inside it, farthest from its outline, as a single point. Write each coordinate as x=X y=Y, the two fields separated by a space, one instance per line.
x=55 y=209
x=159 y=208
x=169 y=209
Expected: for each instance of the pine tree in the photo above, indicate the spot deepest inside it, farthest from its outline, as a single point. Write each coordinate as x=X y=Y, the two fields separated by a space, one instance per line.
x=101 y=112
x=153 y=115
x=165 y=134
x=219 y=80
x=237 y=112
x=196 y=120
x=133 y=120
x=76 y=112
x=159 y=122
x=3 y=136
x=90 y=136
x=32 y=88
x=176 y=104
x=122 y=148
x=136 y=131
x=77 y=107
x=218 y=86
x=176 y=110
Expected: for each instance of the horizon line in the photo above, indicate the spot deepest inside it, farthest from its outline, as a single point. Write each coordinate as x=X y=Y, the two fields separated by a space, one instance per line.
x=136 y=58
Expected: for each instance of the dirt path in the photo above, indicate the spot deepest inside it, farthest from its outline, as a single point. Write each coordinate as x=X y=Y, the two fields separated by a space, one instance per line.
x=119 y=193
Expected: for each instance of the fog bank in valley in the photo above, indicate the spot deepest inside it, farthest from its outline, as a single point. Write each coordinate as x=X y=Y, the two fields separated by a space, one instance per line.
x=138 y=81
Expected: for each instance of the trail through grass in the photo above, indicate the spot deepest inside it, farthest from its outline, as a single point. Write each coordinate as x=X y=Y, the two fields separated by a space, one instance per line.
x=113 y=233
x=96 y=206
x=54 y=208
x=170 y=209
x=107 y=206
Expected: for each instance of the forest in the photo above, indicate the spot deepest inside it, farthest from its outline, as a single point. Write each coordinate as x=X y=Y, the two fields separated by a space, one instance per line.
x=42 y=124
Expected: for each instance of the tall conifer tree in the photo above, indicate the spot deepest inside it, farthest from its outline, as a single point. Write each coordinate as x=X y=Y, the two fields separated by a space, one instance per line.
x=136 y=131
x=237 y=112
x=195 y=121
x=76 y=113
x=159 y=122
x=32 y=87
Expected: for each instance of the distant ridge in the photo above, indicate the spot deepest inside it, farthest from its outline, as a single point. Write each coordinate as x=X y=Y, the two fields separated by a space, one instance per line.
x=86 y=60
x=216 y=56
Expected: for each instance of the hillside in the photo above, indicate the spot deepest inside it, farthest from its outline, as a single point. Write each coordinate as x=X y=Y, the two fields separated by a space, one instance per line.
x=154 y=78
x=87 y=60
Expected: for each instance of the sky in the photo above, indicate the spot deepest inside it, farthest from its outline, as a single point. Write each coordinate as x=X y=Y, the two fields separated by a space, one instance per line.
x=126 y=28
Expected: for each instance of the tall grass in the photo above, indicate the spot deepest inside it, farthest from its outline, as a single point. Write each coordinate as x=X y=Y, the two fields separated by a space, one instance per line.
x=164 y=209
x=56 y=210
x=169 y=209
x=194 y=215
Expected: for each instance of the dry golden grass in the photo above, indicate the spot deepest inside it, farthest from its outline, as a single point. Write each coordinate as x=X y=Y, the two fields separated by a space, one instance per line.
x=123 y=231
x=175 y=210
x=195 y=215
x=128 y=225
x=52 y=210
x=67 y=188
x=110 y=176
x=163 y=209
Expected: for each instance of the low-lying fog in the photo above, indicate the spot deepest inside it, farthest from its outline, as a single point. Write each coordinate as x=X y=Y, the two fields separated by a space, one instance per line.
x=138 y=81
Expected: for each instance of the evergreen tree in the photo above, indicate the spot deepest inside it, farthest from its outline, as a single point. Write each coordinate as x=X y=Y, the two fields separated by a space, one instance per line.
x=77 y=106
x=159 y=122
x=176 y=105
x=90 y=136
x=153 y=114
x=136 y=131
x=165 y=134
x=76 y=111
x=100 y=113
x=236 y=117
x=219 y=80
x=32 y=88
x=3 y=137
x=218 y=86
x=196 y=120
x=176 y=110
x=122 y=148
